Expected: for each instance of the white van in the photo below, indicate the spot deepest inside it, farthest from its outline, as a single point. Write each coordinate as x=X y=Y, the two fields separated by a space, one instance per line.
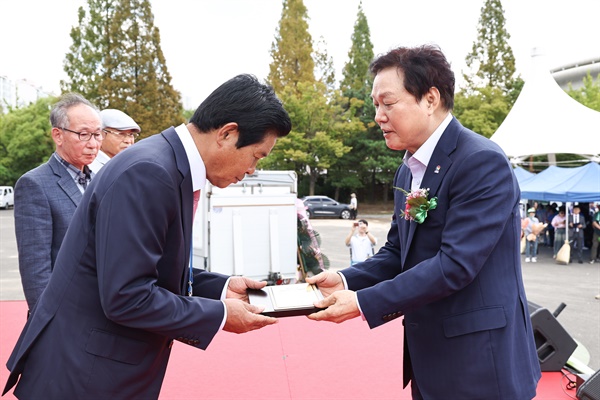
x=7 y=197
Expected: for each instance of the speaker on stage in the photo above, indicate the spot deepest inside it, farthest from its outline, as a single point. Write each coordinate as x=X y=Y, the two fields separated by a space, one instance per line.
x=590 y=389
x=554 y=345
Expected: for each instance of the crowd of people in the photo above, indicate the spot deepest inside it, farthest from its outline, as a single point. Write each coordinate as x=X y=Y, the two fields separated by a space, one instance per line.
x=580 y=230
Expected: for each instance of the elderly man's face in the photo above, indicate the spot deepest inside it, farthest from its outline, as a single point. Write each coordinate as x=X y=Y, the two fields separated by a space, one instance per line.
x=232 y=164
x=117 y=140
x=76 y=152
x=402 y=118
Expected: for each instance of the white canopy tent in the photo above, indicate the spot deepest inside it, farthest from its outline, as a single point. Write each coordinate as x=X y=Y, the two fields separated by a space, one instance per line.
x=546 y=120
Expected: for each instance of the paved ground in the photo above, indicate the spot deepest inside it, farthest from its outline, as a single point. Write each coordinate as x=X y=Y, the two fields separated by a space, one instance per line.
x=547 y=283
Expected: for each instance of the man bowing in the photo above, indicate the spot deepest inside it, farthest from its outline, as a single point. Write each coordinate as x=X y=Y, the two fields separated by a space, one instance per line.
x=123 y=286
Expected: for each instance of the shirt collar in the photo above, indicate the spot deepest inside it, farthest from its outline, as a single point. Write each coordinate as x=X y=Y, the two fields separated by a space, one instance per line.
x=80 y=177
x=197 y=166
x=424 y=153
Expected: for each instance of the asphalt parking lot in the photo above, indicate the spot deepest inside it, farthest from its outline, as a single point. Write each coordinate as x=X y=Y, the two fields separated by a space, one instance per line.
x=546 y=283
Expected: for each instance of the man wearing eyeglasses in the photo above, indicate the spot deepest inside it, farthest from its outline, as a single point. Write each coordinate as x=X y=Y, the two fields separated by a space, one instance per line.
x=120 y=130
x=46 y=197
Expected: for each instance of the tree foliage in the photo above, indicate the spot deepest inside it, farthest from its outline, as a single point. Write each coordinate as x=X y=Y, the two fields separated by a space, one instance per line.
x=116 y=62
x=25 y=140
x=491 y=87
x=316 y=142
x=589 y=93
x=357 y=79
x=292 y=49
x=491 y=57
x=370 y=160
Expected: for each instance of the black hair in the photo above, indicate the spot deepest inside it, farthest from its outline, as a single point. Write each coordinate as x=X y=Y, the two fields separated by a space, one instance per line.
x=252 y=105
x=423 y=67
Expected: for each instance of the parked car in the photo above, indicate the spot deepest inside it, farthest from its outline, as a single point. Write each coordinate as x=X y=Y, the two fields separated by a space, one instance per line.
x=7 y=198
x=323 y=206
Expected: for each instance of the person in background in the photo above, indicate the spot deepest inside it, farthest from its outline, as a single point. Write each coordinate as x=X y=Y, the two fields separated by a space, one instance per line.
x=559 y=223
x=46 y=197
x=120 y=130
x=594 y=256
x=460 y=292
x=124 y=286
x=353 y=206
x=576 y=226
x=531 y=237
x=550 y=213
x=360 y=242
x=541 y=215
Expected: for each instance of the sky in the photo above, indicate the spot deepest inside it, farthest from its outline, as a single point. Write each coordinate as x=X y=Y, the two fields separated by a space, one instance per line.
x=207 y=42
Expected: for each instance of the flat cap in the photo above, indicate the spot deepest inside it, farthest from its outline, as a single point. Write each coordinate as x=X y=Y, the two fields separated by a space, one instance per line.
x=116 y=119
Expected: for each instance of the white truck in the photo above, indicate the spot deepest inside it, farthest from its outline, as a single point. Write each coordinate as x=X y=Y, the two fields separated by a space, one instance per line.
x=249 y=228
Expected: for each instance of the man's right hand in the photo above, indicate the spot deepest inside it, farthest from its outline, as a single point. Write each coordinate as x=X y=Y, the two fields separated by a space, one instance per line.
x=243 y=317
x=327 y=282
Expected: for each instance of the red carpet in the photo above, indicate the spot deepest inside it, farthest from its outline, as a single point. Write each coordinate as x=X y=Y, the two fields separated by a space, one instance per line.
x=295 y=359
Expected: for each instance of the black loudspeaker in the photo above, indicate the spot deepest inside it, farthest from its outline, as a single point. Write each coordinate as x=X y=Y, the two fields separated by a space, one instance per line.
x=590 y=389
x=554 y=345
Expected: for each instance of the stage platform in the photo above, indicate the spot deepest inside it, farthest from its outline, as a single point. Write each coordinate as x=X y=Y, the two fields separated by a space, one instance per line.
x=295 y=359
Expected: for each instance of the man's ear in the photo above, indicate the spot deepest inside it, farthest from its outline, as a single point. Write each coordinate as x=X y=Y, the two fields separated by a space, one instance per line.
x=227 y=134
x=57 y=136
x=432 y=97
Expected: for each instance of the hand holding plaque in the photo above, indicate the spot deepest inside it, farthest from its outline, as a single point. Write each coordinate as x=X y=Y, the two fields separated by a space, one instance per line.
x=286 y=300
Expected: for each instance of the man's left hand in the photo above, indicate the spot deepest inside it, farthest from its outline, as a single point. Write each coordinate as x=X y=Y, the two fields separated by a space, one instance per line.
x=238 y=286
x=340 y=306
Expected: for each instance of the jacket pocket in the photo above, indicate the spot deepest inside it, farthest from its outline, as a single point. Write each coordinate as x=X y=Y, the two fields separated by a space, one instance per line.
x=482 y=319
x=115 y=347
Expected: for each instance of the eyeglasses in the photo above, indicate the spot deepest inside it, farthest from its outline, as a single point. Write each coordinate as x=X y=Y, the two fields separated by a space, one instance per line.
x=87 y=136
x=123 y=135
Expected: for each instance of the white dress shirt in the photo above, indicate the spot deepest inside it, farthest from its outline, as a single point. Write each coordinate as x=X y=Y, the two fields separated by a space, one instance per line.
x=198 y=171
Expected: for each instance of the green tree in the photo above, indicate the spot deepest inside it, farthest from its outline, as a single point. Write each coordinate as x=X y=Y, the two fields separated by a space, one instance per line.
x=292 y=49
x=491 y=57
x=482 y=111
x=116 y=62
x=85 y=63
x=588 y=94
x=316 y=142
x=491 y=87
x=357 y=80
x=370 y=160
x=25 y=140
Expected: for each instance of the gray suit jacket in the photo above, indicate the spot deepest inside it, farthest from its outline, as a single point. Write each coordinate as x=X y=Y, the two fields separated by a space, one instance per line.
x=45 y=199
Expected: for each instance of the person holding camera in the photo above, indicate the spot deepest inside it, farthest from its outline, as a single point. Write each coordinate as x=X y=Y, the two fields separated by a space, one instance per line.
x=360 y=241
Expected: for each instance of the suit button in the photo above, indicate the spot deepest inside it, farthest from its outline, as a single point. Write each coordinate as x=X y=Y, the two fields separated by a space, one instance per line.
x=413 y=325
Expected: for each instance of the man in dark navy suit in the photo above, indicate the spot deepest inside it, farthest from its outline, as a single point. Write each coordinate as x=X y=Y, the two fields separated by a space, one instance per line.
x=451 y=264
x=123 y=287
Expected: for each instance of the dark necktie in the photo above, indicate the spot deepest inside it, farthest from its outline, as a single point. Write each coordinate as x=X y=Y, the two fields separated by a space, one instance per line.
x=84 y=177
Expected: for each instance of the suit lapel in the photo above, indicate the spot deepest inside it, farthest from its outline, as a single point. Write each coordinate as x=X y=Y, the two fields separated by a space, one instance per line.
x=405 y=177
x=187 y=198
x=438 y=166
x=65 y=181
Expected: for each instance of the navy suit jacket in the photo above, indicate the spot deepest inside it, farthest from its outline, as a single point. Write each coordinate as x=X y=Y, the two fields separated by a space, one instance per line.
x=104 y=326
x=45 y=199
x=456 y=278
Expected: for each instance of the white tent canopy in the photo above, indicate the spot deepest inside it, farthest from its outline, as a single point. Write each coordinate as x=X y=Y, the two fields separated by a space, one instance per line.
x=546 y=120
